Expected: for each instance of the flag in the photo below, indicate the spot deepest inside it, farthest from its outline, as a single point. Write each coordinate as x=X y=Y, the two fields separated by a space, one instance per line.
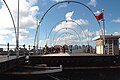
x=99 y=17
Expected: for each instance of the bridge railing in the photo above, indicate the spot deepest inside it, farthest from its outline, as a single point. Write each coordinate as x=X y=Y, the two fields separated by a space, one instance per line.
x=10 y=49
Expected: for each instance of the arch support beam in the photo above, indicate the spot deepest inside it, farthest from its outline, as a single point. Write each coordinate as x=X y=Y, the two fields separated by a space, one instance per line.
x=77 y=2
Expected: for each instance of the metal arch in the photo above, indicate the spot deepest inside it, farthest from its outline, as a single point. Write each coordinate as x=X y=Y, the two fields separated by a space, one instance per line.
x=66 y=21
x=11 y=16
x=67 y=28
x=16 y=30
x=63 y=34
x=60 y=3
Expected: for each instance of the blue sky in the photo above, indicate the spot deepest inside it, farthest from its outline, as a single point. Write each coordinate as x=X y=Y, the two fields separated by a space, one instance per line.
x=29 y=9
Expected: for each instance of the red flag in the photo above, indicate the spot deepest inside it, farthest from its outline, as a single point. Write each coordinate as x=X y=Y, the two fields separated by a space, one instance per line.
x=99 y=17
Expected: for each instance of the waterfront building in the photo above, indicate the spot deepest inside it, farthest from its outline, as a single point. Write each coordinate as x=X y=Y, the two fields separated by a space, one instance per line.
x=111 y=44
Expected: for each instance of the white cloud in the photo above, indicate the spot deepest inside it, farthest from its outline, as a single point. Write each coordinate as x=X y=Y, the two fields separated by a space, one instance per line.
x=27 y=22
x=87 y=35
x=70 y=24
x=116 y=20
x=62 y=6
x=93 y=3
x=32 y=2
x=5 y=20
x=97 y=12
x=23 y=36
x=64 y=25
x=87 y=40
x=61 y=40
x=5 y=32
x=68 y=39
x=68 y=16
x=82 y=22
x=100 y=32
x=28 y=11
x=83 y=38
x=116 y=33
x=2 y=41
x=34 y=10
x=58 y=0
x=42 y=43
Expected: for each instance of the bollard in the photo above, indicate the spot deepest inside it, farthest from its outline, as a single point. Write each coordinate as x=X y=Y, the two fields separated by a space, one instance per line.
x=29 y=49
x=8 y=50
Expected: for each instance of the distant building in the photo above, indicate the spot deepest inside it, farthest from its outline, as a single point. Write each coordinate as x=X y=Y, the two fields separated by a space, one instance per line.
x=111 y=44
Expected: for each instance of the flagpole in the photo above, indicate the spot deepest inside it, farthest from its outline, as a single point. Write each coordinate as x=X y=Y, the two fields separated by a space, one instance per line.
x=103 y=32
x=38 y=33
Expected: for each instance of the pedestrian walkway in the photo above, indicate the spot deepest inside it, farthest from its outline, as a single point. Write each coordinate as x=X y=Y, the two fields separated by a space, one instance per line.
x=4 y=58
x=57 y=54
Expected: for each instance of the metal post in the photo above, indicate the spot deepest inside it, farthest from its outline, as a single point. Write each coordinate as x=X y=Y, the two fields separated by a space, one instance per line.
x=17 y=36
x=34 y=50
x=37 y=35
x=29 y=49
x=24 y=50
x=8 y=50
x=103 y=32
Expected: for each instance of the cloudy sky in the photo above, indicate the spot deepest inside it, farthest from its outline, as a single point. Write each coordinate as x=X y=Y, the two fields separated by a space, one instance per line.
x=66 y=23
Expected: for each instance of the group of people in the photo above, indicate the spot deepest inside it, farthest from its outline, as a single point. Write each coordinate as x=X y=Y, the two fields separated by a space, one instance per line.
x=55 y=49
